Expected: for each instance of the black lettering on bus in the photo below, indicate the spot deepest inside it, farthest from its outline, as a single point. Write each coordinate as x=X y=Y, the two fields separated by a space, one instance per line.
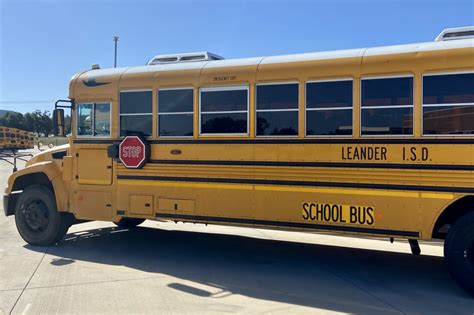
x=356 y=154
x=424 y=154
x=370 y=155
x=413 y=154
x=361 y=215
x=311 y=211
x=305 y=211
x=342 y=220
x=370 y=216
x=384 y=153
x=353 y=214
x=349 y=153
x=363 y=153
x=335 y=213
x=327 y=213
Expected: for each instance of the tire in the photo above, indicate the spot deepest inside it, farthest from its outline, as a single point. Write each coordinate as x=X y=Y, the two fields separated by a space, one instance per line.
x=129 y=223
x=459 y=252
x=37 y=218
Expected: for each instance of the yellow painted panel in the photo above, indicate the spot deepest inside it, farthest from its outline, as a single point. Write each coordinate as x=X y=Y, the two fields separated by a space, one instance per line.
x=94 y=167
x=95 y=205
x=67 y=168
x=175 y=205
x=142 y=205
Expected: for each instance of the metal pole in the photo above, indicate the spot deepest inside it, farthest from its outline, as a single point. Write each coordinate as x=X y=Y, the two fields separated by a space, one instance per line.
x=115 y=54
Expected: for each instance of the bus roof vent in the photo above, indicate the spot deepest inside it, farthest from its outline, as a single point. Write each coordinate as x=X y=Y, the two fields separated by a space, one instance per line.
x=456 y=33
x=186 y=57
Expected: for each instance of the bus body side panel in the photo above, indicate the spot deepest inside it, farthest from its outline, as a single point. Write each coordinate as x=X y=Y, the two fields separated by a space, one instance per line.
x=380 y=185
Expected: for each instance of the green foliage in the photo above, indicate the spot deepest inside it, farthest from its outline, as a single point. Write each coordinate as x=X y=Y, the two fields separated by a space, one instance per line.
x=39 y=122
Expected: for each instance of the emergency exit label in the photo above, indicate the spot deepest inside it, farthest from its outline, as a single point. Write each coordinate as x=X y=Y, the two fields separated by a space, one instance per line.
x=133 y=152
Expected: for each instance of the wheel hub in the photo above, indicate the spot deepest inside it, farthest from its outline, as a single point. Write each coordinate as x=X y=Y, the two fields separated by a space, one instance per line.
x=36 y=216
x=469 y=254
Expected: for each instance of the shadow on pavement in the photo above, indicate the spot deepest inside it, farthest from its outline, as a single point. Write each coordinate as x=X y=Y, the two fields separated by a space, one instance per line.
x=326 y=277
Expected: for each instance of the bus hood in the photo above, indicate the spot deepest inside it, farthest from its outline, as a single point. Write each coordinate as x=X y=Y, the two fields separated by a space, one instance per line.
x=48 y=155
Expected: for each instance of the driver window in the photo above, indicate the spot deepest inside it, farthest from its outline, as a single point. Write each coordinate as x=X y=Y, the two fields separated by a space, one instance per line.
x=102 y=119
x=84 y=119
x=93 y=119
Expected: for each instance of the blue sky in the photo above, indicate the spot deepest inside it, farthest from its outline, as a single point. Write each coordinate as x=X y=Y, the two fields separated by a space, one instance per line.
x=44 y=42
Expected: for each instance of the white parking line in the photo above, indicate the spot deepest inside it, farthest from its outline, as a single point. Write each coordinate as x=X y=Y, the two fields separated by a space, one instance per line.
x=27 y=308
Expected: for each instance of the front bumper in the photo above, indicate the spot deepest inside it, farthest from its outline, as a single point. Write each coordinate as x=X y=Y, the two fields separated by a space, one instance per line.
x=9 y=202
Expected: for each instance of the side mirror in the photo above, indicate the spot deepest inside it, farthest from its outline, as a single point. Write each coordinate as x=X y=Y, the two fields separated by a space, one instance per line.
x=58 y=122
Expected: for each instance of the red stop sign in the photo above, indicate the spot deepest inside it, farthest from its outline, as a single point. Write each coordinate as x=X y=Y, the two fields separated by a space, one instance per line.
x=133 y=152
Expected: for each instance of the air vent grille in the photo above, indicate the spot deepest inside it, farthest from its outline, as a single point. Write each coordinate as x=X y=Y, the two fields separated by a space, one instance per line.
x=456 y=33
x=186 y=57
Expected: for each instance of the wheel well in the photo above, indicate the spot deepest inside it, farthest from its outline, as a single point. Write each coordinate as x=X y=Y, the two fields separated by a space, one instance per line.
x=32 y=179
x=454 y=211
x=21 y=183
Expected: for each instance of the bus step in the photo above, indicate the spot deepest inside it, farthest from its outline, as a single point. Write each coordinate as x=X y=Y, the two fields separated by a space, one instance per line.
x=415 y=247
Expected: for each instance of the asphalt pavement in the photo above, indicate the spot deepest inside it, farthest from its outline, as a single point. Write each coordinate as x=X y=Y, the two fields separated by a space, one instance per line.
x=163 y=267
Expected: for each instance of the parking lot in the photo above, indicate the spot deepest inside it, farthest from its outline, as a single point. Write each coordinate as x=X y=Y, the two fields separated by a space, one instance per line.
x=162 y=267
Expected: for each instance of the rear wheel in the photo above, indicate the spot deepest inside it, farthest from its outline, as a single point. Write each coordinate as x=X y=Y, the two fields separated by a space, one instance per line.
x=129 y=223
x=459 y=252
x=37 y=218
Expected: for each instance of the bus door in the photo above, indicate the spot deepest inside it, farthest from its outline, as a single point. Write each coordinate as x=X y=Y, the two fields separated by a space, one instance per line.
x=93 y=197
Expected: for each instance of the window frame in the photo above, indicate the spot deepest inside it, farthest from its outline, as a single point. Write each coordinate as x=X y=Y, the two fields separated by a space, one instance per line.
x=277 y=110
x=134 y=114
x=240 y=87
x=341 y=79
x=92 y=136
x=395 y=76
x=168 y=114
x=428 y=74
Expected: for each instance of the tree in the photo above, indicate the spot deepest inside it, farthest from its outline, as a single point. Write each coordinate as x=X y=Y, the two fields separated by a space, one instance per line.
x=45 y=124
x=14 y=120
x=37 y=121
x=29 y=122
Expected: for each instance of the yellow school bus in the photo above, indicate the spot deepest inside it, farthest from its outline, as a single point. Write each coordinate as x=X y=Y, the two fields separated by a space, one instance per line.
x=22 y=139
x=15 y=139
x=8 y=137
x=28 y=139
x=373 y=142
x=3 y=141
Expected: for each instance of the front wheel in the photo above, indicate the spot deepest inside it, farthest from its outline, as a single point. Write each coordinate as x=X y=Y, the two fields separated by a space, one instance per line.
x=459 y=252
x=129 y=223
x=37 y=218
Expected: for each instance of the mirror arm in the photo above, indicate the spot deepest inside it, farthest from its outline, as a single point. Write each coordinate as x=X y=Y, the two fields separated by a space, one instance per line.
x=71 y=102
x=59 y=124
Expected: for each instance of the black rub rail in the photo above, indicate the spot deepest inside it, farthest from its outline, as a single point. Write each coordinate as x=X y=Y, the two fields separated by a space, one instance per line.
x=299 y=183
x=299 y=225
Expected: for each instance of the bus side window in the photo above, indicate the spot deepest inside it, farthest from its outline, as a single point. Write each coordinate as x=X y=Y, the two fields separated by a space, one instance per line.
x=329 y=108
x=387 y=106
x=136 y=113
x=175 y=112
x=224 y=110
x=448 y=104
x=277 y=109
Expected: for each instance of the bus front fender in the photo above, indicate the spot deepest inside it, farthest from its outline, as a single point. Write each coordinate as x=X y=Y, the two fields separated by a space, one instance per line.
x=46 y=173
